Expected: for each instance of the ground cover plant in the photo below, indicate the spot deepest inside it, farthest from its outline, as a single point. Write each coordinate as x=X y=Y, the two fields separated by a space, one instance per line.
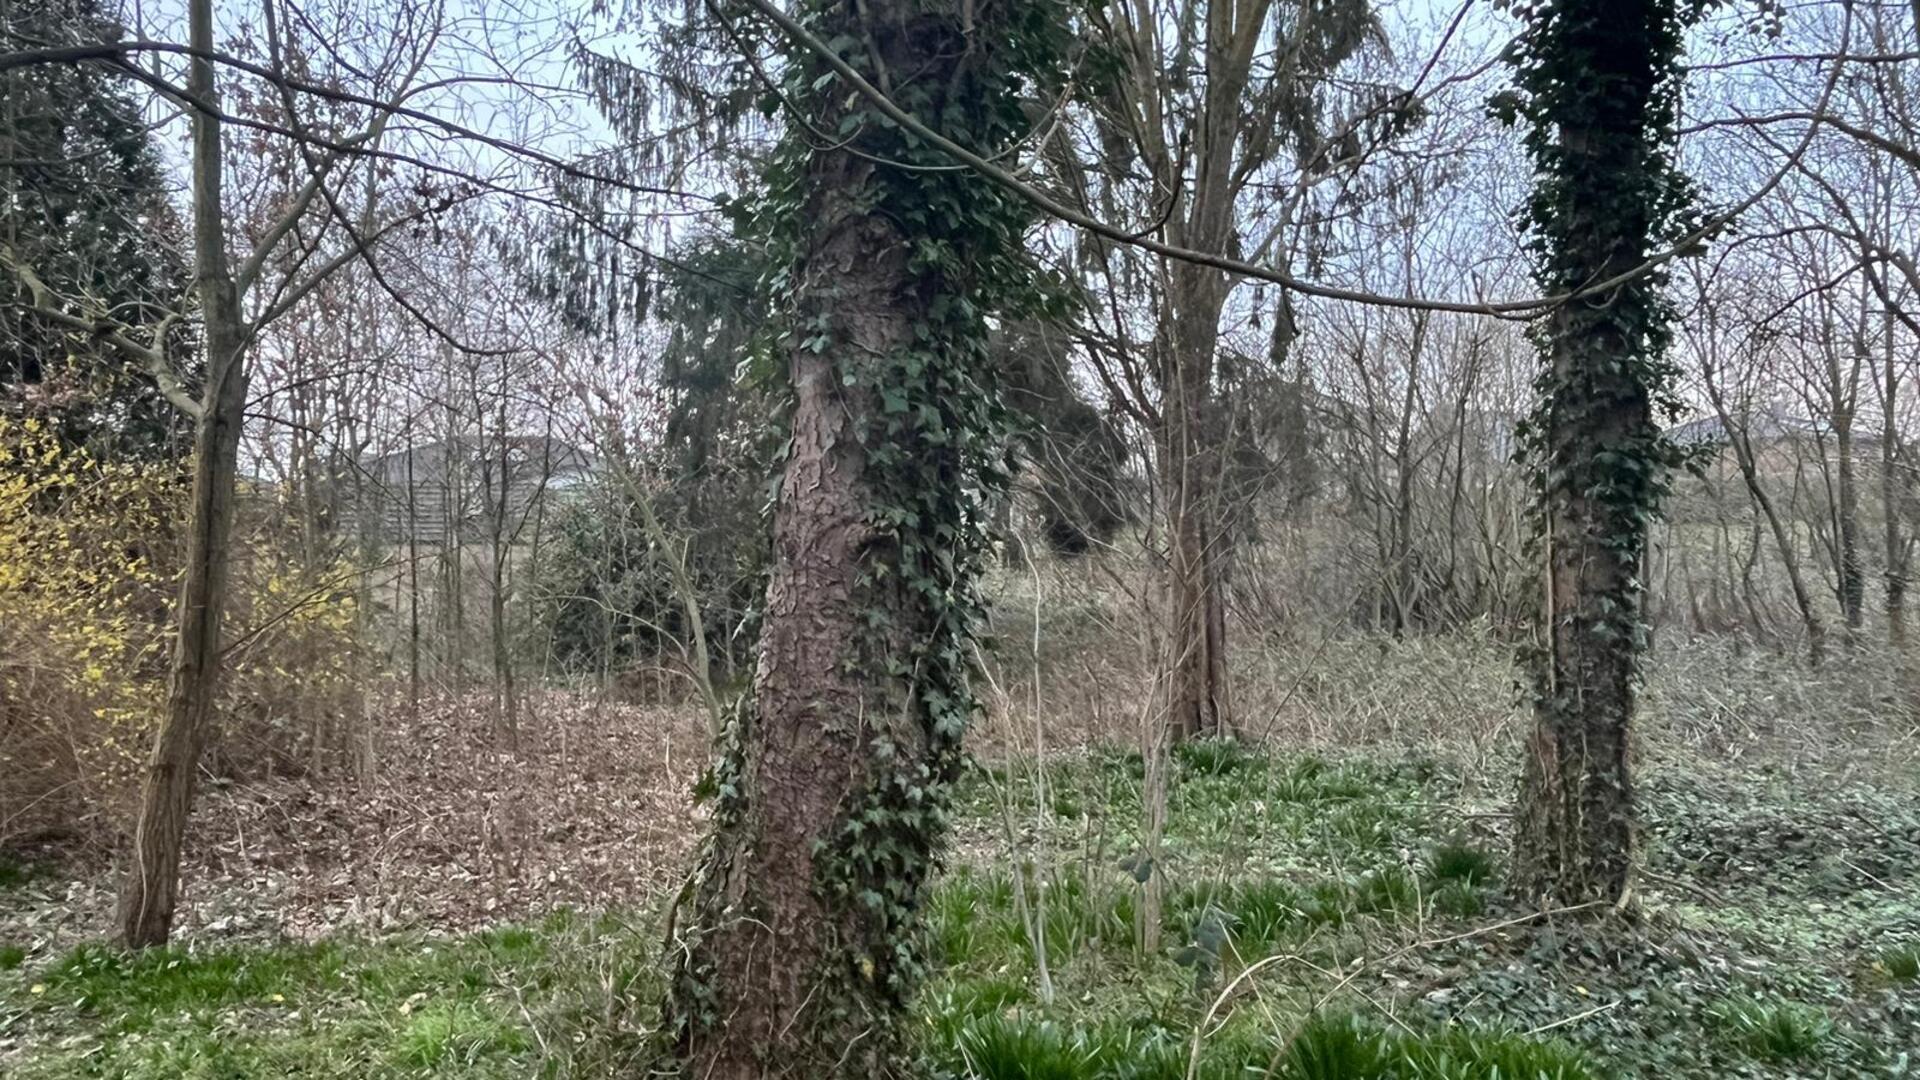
x=1326 y=916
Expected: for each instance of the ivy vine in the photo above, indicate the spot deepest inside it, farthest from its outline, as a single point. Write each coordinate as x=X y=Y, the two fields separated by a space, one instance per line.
x=1601 y=81
x=932 y=430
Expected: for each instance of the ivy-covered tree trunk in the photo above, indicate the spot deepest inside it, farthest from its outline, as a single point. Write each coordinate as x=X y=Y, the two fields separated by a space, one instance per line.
x=772 y=936
x=793 y=951
x=1598 y=76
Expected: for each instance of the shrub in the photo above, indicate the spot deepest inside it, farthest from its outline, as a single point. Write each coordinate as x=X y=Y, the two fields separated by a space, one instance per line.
x=84 y=596
x=89 y=556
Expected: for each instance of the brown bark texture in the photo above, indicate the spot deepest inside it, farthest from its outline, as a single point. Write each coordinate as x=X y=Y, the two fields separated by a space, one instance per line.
x=151 y=888
x=790 y=945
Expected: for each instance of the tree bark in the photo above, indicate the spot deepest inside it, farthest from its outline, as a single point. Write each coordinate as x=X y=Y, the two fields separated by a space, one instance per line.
x=1199 y=704
x=791 y=950
x=772 y=941
x=1853 y=574
x=1192 y=456
x=1892 y=496
x=1574 y=831
x=1194 y=436
x=506 y=703
x=151 y=887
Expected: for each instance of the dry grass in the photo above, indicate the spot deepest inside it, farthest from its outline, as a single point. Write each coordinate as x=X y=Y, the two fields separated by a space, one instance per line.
x=1454 y=696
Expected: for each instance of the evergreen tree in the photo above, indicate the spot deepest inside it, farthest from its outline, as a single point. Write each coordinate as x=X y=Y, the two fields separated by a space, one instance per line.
x=84 y=210
x=612 y=600
x=1073 y=454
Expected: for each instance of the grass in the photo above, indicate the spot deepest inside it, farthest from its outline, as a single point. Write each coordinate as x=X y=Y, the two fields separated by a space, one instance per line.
x=1325 y=1047
x=1458 y=861
x=1349 y=882
x=1775 y=1031
x=1901 y=964
x=1347 y=1048
x=506 y=1003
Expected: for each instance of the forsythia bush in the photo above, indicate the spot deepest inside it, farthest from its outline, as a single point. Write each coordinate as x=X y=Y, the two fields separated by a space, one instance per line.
x=89 y=560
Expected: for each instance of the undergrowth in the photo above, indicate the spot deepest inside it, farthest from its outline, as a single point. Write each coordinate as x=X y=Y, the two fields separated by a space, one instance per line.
x=1321 y=919
x=511 y=1002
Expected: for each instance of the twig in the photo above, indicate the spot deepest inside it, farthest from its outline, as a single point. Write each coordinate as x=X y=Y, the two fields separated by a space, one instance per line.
x=1575 y=1018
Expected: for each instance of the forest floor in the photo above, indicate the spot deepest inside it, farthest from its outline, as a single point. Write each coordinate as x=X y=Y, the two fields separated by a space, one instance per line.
x=467 y=913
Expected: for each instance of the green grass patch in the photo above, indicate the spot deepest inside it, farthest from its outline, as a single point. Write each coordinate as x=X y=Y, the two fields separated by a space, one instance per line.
x=16 y=872
x=1322 y=871
x=1462 y=862
x=1900 y=964
x=1326 y=1047
x=1774 y=1031
x=1332 y=1047
x=1215 y=756
x=511 y=1002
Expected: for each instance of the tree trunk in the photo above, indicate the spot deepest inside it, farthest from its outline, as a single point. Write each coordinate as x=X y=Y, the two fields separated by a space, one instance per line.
x=151 y=889
x=1199 y=702
x=413 y=586
x=1192 y=454
x=506 y=704
x=1853 y=574
x=804 y=756
x=1599 y=177
x=1892 y=498
x=1742 y=445
x=793 y=946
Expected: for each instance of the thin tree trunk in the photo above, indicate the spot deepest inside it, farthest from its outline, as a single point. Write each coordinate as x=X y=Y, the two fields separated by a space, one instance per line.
x=506 y=703
x=151 y=889
x=1891 y=497
x=1743 y=452
x=1853 y=575
x=413 y=587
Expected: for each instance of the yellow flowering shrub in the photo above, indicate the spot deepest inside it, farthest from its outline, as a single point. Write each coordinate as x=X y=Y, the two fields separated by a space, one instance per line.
x=86 y=551
x=89 y=561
